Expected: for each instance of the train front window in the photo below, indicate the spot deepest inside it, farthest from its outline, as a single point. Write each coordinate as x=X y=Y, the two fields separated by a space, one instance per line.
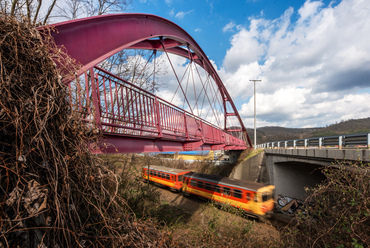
x=266 y=197
x=180 y=178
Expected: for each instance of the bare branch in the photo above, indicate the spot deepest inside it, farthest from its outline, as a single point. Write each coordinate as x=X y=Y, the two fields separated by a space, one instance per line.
x=49 y=12
x=12 y=12
x=37 y=12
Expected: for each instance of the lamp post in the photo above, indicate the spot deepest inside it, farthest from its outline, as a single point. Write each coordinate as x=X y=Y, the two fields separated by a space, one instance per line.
x=255 y=132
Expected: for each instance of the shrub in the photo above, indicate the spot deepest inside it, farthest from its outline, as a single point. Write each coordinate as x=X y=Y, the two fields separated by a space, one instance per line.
x=336 y=213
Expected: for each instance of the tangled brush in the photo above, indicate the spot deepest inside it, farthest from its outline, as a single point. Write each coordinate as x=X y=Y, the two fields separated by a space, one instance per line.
x=53 y=191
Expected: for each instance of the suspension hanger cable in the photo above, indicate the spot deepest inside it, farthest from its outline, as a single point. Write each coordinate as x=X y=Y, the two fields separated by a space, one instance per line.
x=173 y=69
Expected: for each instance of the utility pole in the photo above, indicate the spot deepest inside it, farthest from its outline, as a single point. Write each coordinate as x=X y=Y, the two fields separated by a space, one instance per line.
x=255 y=131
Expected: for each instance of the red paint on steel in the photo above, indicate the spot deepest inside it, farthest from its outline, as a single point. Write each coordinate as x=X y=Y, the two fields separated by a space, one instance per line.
x=94 y=39
x=124 y=122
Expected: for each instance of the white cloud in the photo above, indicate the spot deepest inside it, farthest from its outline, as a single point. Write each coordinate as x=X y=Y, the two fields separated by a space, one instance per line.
x=311 y=69
x=182 y=14
x=198 y=30
x=172 y=12
x=245 y=49
x=228 y=27
x=309 y=9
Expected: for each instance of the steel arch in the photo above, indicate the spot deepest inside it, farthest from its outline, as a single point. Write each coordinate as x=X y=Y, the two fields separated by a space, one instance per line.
x=94 y=39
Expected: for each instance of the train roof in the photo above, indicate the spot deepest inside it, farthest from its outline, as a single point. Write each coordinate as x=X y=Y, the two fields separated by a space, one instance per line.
x=248 y=185
x=166 y=169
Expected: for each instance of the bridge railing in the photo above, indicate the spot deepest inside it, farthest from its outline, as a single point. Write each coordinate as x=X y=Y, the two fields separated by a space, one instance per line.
x=359 y=140
x=127 y=110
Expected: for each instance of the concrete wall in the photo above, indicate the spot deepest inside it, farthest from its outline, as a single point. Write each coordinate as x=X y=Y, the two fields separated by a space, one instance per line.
x=251 y=169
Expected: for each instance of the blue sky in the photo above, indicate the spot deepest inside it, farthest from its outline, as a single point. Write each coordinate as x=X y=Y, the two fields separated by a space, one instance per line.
x=312 y=56
x=213 y=22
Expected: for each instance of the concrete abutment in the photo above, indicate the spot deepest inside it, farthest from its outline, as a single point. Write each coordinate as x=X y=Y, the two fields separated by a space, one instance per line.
x=293 y=170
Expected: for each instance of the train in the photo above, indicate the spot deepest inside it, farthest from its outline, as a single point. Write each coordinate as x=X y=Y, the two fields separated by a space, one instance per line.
x=254 y=198
x=164 y=176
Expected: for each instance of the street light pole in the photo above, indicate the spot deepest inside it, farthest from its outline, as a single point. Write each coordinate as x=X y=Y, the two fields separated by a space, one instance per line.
x=255 y=132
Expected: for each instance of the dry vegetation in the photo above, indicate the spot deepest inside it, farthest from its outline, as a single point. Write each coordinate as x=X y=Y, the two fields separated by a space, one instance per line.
x=337 y=212
x=53 y=191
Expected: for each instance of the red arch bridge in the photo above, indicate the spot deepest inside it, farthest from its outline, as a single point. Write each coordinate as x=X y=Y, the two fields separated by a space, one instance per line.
x=191 y=110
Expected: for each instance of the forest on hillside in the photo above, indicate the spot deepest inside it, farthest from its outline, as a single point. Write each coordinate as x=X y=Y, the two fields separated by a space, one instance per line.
x=269 y=134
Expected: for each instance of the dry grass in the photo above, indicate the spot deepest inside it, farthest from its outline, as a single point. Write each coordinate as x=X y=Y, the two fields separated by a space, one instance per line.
x=53 y=191
x=194 y=223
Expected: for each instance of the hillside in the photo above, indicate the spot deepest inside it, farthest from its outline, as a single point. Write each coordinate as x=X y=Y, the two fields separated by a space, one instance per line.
x=269 y=134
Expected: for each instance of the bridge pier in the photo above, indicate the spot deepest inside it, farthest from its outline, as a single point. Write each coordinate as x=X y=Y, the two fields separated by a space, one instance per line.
x=292 y=170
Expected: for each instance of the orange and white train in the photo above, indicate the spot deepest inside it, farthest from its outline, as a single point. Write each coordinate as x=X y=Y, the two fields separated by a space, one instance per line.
x=255 y=198
x=169 y=177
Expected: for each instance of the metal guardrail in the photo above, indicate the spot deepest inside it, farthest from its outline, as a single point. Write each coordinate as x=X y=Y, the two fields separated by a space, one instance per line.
x=361 y=140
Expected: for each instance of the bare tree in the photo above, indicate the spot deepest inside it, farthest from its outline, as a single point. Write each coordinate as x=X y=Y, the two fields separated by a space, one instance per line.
x=27 y=10
x=137 y=66
x=72 y=9
x=140 y=67
x=101 y=7
x=30 y=10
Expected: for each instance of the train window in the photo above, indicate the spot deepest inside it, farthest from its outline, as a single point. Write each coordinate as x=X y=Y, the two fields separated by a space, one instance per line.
x=208 y=186
x=200 y=184
x=237 y=193
x=266 y=197
x=255 y=197
x=193 y=183
x=162 y=175
x=167 y=177
x=248 y=196
x=226 y=191
x=180 y=178
x=217 y=189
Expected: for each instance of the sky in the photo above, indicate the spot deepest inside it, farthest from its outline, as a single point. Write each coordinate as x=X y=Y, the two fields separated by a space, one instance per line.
x=312 y=57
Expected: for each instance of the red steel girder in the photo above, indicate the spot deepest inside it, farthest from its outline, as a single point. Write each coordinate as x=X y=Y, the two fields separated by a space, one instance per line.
x=94 y=39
